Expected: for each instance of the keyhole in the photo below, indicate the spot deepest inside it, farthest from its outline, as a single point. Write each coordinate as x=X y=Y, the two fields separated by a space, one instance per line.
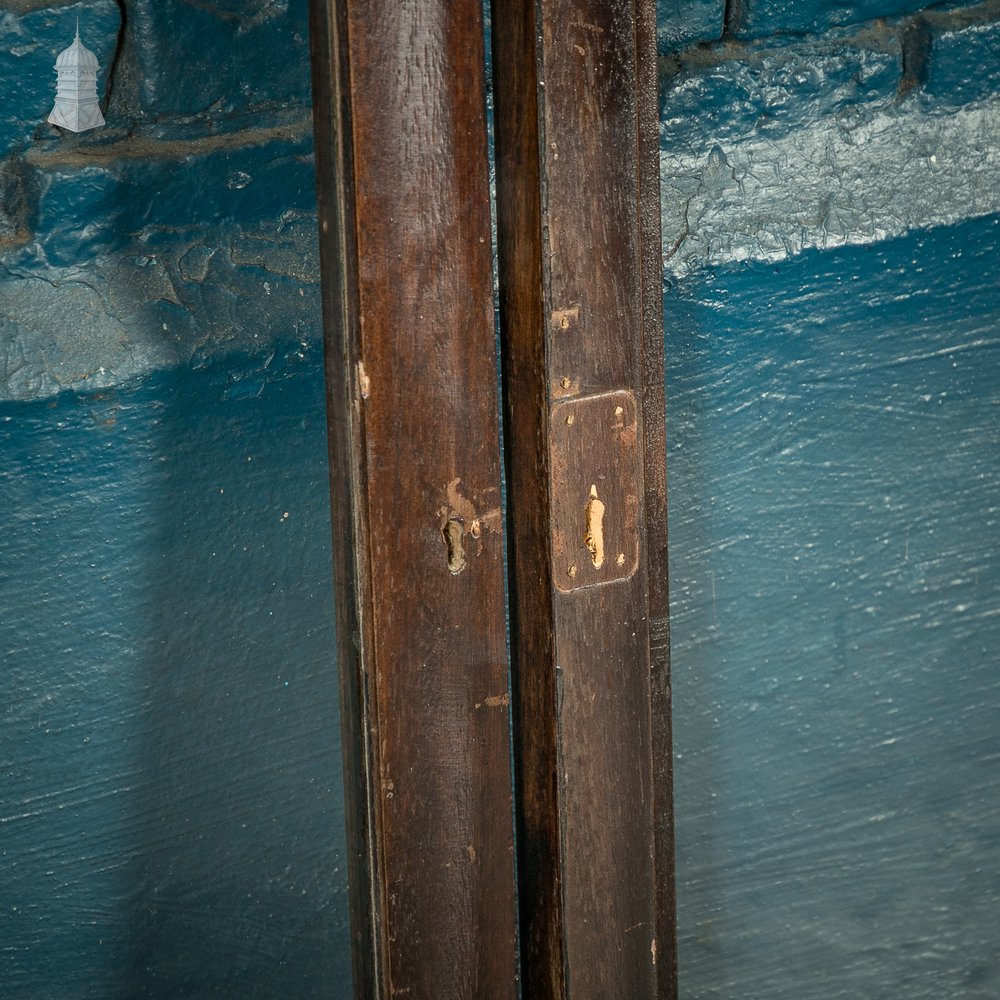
x=593 y=535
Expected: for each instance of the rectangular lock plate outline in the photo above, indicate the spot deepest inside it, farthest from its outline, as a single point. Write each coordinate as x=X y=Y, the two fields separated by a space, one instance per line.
x=596 y=490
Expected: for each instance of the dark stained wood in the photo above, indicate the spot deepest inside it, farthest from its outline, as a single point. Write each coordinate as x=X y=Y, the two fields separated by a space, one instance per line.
x=405 y=234
x=577 y=205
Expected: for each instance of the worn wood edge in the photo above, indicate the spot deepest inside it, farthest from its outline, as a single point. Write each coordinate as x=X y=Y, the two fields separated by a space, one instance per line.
x=352 y=578
x=518 y=138
x=654 y=434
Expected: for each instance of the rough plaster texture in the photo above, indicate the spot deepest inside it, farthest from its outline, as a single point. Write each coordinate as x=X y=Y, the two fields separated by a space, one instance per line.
x=683 y=22
x=830 y=240
x=760 y=18
x=171 y=814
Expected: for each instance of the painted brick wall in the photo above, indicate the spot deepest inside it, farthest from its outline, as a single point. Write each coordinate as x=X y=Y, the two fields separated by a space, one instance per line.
x=171 y=818
x=686 y=22
x=852 y=136
x=831 y=222
x=198 y=195
x=760 y=18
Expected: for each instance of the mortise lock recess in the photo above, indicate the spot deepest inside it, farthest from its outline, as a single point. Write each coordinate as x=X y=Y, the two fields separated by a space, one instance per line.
x=596 y=489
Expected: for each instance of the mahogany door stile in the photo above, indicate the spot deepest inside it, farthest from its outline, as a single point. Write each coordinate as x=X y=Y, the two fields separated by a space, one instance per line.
x=581 y=324
x=399 y=96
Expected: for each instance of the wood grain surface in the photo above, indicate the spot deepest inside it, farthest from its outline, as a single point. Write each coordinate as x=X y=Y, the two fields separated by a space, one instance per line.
x=580 y=316
x=399 y=93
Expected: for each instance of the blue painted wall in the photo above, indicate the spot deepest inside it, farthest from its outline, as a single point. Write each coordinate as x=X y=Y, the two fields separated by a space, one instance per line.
x=683 y=23
x=831 y=230
x=835 y=474
x=171 y=813
x=171 y=820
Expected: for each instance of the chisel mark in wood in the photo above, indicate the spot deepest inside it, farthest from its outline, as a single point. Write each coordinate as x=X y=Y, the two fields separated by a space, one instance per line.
x=593 y=535
x=452 y=534
x=495 y=701
x=563 y=319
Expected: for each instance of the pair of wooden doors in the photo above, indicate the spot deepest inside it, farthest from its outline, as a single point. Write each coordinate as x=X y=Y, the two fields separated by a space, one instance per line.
x=508 y=790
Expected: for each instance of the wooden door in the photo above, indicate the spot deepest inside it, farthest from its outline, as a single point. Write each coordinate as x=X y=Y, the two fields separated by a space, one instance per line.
x=430 y=699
